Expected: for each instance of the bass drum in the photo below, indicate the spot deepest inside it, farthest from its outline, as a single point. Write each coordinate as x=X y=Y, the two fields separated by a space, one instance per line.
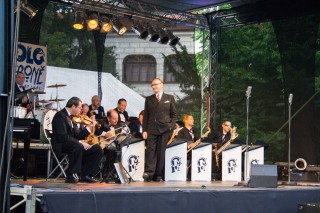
x=38 y=114
x=46 y=126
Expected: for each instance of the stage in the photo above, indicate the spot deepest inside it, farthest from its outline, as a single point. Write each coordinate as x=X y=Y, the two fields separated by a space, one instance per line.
x=214 y=196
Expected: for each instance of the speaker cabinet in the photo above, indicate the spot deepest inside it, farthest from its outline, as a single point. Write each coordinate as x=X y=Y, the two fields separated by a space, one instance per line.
x=263 y=176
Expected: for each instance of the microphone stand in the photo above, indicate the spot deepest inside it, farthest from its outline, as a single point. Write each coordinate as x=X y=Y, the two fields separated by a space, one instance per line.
x=289 y=142
x=248 y=94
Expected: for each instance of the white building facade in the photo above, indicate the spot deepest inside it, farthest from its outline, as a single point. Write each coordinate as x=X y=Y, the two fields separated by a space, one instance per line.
x=129 y=50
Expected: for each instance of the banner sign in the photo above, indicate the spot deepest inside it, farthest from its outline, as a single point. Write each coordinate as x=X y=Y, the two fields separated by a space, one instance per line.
x=32 y=62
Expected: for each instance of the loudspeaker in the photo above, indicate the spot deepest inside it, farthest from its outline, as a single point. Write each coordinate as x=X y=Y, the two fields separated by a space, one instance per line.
x=263 y=176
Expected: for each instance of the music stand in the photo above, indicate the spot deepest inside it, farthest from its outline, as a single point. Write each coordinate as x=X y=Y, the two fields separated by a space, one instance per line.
x=118 y=167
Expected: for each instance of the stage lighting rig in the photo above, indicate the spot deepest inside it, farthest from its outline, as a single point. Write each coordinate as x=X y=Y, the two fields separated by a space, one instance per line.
x=119 y=27
x=140 y=31
x=92 y=21
x=106 y=24
x=78 y=20
x=164 y=39
x=173 y=40
x=28 y=9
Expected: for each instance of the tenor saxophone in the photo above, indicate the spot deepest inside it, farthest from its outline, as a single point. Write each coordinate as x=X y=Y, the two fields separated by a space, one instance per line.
x=217 y=151
x=175 y=132
x=197 y=142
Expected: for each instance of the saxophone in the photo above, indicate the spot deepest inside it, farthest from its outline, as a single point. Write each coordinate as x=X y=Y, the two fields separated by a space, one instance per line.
x=175 y=132
x=217 y=151
x=197 y=142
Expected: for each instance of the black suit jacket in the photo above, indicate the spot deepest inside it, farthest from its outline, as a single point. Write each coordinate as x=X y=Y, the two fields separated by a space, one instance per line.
x=62 y=130
x=18 y=95
x=134 y=127
x=101 y=114
x=161 y=116
x=184 y=134
x=125 y=114
x=217 y=138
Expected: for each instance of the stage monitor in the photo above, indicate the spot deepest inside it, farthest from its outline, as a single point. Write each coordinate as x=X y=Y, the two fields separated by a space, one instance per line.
x=263 y=176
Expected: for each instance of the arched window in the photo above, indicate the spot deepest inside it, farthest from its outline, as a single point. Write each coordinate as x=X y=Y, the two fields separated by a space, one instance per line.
x=139 y=68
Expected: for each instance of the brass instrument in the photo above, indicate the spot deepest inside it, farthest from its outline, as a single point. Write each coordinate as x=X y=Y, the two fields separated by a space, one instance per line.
x=300 y=164
x=217 y=151
x=174 y=134
x=197 y=142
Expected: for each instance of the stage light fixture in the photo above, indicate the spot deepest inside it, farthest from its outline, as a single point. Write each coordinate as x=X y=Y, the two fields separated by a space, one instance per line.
x=173 y=40
x=154 y=36
x=93 y=21
x=164 y=38
x=119 y=27
x=140 y=31
x=78 y=20
x=106 y=24
x=28 y=9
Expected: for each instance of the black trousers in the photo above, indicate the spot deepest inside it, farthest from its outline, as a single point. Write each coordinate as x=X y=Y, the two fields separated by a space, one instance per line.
x=82 y=161
x=155 y=154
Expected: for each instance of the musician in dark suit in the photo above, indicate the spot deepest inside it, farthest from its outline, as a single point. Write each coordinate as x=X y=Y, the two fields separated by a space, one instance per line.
x=95 y=108
x=135 y=126
x=67 y=137
x=187 y=132
x=159 y=119
x=220 y=138
x=20 y=97
x=109 y=128
x=123 y=116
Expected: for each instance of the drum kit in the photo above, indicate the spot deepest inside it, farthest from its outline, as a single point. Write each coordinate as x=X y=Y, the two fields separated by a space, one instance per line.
x=43 y=113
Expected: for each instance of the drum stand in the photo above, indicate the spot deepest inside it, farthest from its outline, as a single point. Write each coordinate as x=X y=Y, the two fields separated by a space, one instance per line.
x=32 y=108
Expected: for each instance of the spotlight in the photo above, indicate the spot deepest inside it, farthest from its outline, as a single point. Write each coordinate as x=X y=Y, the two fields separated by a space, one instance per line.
x=78 y=20
x=173 y=40
x=119 y=27
x=28 y=9
x=164 y=39
x=106 y=24
x=154 y=36
x=93 y=22
x=139 y=30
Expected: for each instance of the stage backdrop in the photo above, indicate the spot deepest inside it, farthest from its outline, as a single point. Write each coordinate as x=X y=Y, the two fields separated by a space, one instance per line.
x=84 y=84
x=32 y=61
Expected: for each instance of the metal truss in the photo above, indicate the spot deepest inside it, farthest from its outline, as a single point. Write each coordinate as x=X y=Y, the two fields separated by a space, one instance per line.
x=136 y=10
x=211 y=66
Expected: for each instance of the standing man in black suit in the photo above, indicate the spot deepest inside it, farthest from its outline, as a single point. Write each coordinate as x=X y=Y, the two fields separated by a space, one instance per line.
x=123 y=116
x=67 y=137
x=159 y=119
x=96 y=109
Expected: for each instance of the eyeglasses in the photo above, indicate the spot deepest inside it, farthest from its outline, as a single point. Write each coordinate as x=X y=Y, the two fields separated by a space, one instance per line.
x=155 y=84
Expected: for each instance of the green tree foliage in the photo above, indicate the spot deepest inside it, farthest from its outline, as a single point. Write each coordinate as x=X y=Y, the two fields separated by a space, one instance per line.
x=186 y=74
x=71 y=48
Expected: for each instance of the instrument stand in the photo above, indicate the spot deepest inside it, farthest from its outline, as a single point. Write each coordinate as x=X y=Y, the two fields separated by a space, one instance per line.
x=32 y=108
x=289 y=182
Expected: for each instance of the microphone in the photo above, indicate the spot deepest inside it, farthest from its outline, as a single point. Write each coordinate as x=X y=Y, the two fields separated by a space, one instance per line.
x=248 y=92
x=290 y=98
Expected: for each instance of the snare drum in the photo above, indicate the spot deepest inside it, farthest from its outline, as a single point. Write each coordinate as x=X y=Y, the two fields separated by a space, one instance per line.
x=19 y=111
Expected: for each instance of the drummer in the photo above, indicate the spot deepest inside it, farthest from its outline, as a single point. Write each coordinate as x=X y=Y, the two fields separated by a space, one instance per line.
x=20 y=96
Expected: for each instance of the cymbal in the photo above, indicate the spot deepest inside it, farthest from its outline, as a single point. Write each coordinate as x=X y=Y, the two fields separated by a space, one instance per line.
x=37 y=92
x=43 y=101
x=57 y=100
x=56 y=85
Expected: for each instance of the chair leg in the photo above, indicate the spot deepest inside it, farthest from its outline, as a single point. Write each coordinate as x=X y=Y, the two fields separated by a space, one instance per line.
x=59 y=165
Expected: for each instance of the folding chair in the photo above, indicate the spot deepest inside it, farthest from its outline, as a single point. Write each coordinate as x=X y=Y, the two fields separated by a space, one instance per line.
x=62 y=161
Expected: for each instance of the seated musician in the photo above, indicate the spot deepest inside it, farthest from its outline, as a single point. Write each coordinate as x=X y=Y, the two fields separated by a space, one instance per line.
x=188 y=132
x=135 y=126
x=95 y=108
x=220 y=138
x=85 y=109
x=109 y=128
x=68 y=137
x=123 y=116
x=20 y=96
